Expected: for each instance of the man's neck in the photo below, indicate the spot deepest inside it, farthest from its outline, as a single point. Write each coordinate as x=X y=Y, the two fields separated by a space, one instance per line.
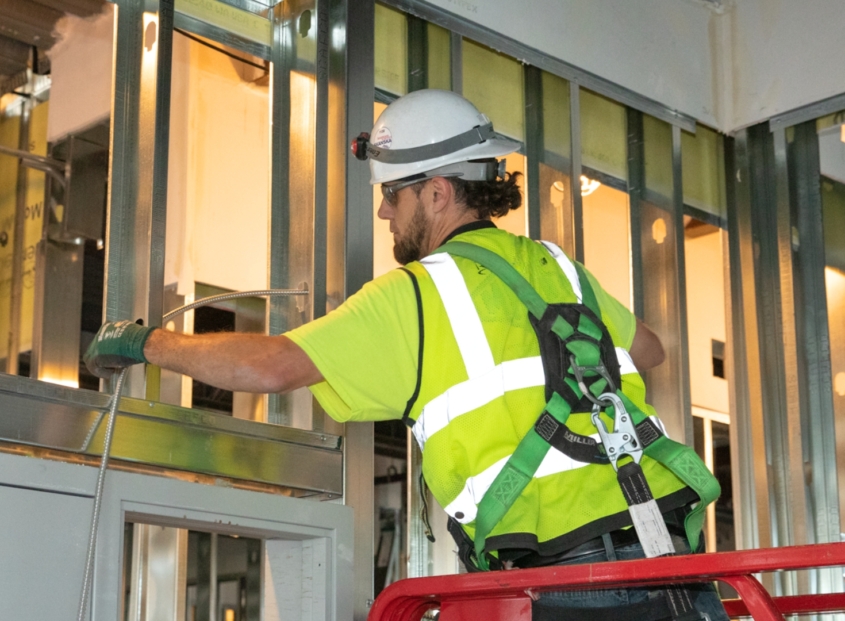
x=445 y=227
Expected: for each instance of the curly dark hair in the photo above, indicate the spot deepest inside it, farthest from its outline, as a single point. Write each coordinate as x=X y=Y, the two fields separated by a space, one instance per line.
x=490 y=199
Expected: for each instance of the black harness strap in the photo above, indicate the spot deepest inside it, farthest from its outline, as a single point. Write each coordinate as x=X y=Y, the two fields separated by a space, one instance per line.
x=585 y=448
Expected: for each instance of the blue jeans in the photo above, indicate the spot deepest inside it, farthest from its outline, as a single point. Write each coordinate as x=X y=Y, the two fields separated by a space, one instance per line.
x=703 y=595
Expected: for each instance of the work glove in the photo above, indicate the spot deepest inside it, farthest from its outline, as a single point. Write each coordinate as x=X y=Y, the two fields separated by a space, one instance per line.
x=118 y=344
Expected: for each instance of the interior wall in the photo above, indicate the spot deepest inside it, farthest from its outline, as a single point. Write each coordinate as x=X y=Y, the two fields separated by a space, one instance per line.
x=658 y=48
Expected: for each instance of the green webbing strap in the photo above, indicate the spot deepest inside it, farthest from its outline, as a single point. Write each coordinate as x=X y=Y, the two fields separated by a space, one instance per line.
x=513 y=479
x=501 y=268
x=684 y=463
x=680 y=459
x=588 y=296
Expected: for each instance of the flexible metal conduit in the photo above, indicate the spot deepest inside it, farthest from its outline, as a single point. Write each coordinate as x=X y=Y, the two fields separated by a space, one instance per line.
x=112 y=409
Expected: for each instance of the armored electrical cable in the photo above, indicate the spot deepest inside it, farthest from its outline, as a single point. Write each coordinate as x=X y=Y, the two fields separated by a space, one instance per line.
x=112 y=409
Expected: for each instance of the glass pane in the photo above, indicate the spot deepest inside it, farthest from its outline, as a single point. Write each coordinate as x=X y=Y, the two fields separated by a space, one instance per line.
x=604 y=142
x=391 y=50
x=556 y=223
x=704 y=170
x=439 y=58
x=494 y=83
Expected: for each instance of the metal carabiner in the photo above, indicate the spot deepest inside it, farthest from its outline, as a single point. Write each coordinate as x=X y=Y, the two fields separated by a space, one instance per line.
x=623 y=440
x=578 y=372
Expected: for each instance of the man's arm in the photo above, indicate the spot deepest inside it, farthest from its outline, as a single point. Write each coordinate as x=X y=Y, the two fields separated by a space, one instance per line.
x=646 y=350
x=234 y=361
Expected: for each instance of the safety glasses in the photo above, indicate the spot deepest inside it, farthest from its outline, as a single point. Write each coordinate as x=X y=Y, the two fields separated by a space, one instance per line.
x=390 y=190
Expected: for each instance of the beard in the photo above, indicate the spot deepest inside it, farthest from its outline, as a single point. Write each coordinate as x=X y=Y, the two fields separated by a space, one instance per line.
x=409 y=247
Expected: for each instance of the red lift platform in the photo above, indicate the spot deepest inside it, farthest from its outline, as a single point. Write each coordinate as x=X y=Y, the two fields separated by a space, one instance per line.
x=506 y=595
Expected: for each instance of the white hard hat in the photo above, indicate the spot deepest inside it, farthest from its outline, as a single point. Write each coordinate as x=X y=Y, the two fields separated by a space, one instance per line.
x=431 y=131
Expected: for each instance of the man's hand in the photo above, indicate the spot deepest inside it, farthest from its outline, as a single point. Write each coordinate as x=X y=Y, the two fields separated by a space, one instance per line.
x=118 y=344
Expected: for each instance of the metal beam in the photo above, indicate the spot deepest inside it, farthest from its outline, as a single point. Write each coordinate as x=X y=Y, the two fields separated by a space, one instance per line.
x=636 y=194
x=138 y=175
x=533 y=85
x=807 y=113
x=358 y=269
x=417 y=54
x=16 y=297
x=681 y=284
x=812 y=338
x=575 y=170
x=50 y=416
x=456 y=61
x=744 y=364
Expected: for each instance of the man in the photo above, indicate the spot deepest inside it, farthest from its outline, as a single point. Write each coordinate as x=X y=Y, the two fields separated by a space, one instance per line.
x=502 y=355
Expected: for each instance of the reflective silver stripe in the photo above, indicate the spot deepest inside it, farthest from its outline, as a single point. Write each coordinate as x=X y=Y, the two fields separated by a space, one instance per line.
x=626 y=363
x=466 y=324
x=555 y=462
x=567 y=266
x=474 y=393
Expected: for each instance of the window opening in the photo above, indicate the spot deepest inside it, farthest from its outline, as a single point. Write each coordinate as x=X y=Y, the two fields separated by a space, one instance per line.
x=708 y=383
x=208 y=575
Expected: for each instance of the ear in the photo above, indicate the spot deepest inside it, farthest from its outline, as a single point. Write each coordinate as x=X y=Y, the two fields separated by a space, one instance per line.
x=442 y=193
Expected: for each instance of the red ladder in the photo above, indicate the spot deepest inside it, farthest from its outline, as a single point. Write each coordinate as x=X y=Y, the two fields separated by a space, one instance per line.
x=505 y=595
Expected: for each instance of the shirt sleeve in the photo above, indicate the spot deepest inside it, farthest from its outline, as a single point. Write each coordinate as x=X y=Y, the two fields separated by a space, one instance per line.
x=620 y=321
x=367 y=351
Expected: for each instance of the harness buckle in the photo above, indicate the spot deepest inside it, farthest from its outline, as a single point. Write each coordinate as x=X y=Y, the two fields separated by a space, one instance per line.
x=623 y=440
x=579 y=372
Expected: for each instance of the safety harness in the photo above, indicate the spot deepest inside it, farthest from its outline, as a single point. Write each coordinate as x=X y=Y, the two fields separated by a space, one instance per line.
x=582 y=375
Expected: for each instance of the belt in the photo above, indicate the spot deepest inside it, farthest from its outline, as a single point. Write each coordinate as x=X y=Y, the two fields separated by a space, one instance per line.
x=618 y=538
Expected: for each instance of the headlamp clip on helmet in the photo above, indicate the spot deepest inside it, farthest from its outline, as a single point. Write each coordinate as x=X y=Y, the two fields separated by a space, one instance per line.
x=360 y=145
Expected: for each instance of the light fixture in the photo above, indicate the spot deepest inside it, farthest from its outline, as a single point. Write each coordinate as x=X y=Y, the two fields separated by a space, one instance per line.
x=588 y=186
x=842 y=132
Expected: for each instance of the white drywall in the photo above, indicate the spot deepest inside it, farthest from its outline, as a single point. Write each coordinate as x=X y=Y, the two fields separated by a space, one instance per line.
x=786 y=54
x=658 y=48
x=81 y=71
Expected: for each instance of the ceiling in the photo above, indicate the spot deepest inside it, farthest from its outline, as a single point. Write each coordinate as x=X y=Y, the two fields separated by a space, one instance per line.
x=28 y=24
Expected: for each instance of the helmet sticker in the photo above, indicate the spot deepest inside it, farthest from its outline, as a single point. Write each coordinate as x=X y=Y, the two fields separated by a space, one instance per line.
x=383 y=138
